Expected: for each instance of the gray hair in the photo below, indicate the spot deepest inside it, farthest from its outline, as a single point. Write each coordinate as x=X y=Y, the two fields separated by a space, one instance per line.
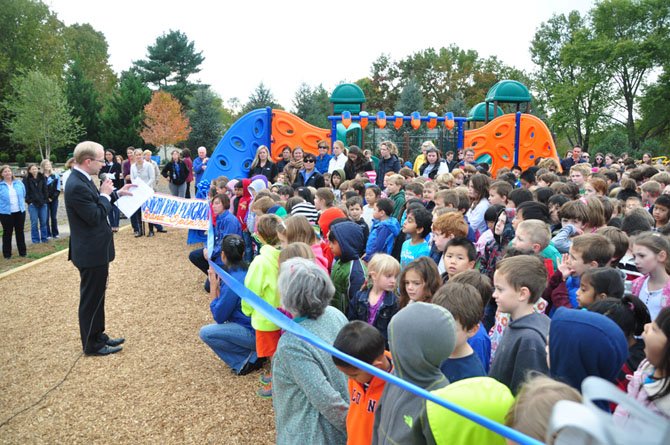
x=305 y=288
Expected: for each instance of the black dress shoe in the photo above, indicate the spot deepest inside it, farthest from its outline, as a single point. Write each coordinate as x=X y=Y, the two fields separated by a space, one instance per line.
x=105 y=350
x=150 y=234
x=138 y=234
x=161 y=231
x=115 y=341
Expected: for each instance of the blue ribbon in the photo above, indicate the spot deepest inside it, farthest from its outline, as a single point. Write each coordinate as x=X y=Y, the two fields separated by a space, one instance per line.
x=281 y=320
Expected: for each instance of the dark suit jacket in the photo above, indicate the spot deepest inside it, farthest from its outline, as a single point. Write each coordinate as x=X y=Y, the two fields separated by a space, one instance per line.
x=91 y=240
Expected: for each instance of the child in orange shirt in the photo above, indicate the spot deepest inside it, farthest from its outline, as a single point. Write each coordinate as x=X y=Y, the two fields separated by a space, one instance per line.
x=366 y=343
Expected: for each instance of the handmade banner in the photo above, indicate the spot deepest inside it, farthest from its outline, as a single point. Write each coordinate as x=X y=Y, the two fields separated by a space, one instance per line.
x=176 y=212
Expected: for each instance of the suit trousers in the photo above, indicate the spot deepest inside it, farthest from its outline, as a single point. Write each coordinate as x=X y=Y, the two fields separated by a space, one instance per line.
x=92 y=307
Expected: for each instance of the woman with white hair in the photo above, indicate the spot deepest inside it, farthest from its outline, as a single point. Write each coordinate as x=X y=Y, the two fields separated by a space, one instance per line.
x=310 y=396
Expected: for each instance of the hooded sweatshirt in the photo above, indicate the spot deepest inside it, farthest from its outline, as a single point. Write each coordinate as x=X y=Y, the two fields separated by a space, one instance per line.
x=522 y=349
x=256 y=185
x=582 y=344
x=348 y=272
x=382 y=236
x=482 y=395
x=244 y=204
x=262 y=280
x=401 y=416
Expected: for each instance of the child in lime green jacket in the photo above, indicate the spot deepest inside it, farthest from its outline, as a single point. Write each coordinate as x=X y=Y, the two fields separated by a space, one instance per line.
x=261 y=279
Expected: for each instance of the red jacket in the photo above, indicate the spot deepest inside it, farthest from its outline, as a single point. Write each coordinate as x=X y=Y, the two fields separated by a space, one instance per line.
x=244 y=203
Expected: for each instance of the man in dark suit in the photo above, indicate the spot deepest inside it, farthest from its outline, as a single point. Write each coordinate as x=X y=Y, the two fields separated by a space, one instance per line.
x=91 y=244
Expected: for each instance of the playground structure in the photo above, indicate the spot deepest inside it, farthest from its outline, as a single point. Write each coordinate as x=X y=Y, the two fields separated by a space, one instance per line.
x=505 y=140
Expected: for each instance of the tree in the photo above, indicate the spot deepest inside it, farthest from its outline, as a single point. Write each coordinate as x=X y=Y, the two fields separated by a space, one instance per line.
x=83 y=100
x=170 y=62
x=633 y=38
x=410 y=100
x=381 y=88
x=40 y=115
x=312 y=105
x=123 y=115
x=572 y=83
x=261 y=97
x=31 y=40
x=655 y=108
x=164 y=122
x=88 y=48
x=205 y=116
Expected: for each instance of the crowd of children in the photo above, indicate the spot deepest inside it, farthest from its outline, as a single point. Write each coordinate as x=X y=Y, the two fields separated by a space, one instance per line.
x=467 y=283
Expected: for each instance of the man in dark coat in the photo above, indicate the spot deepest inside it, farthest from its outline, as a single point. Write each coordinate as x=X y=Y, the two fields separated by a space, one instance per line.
x=92 y=244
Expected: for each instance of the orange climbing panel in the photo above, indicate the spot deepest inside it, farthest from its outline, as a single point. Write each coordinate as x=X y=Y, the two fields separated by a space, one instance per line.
x=496 y=139
x=288 y=130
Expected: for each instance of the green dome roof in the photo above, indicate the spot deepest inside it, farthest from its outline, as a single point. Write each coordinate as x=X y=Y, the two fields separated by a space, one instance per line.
x=508 y=91
x=478 y=112
x=347 y=93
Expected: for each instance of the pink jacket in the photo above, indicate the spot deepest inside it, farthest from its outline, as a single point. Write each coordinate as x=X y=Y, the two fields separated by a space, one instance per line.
x=319 y=257
x=636 y=287
x=640 y=390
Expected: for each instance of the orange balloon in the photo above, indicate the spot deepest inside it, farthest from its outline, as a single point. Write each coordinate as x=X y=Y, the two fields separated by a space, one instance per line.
x=381 y=119
x=364 y=119
x=346 y=118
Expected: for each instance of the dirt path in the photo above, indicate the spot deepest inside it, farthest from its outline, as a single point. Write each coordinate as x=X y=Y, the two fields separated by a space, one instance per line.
x=165 y=387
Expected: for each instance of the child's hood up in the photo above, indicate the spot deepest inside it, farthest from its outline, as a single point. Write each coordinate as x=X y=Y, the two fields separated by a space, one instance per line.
x=421 y=337
x=349 y=236
x=583 y=343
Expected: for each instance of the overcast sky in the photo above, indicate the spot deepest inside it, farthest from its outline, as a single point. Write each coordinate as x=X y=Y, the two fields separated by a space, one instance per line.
x=285 y=43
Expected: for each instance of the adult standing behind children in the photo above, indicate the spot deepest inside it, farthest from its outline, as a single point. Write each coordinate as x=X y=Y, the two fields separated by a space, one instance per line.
x=186 y=157
x=339 y=159
x=389 y=161
x=200 y=165
x=308 y=176
x=262 y=165
x=53 y=191
x=92 y=244
x=357 y=163
x=36 y=198
x=177 y=173
x=12 y=212
x=114 y=171
x=323 y=159
x=311 y=399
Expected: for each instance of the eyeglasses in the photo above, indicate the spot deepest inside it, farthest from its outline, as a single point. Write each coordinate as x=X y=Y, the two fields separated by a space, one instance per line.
x=323 y=147
x=308 y=160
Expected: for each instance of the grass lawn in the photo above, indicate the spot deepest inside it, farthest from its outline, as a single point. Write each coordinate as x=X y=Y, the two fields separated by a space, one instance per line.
x=35 y=252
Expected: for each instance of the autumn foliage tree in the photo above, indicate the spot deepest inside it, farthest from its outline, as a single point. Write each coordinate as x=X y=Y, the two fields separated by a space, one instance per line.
x=164 y=123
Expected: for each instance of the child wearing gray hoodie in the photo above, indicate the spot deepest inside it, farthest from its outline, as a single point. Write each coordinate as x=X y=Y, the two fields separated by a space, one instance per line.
x=401 y=416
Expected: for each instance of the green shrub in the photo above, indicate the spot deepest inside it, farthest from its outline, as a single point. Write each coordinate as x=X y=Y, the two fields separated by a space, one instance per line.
x=21 y=159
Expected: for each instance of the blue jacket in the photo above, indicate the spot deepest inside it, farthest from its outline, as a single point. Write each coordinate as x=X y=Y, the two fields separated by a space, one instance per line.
x=226 y=224
x=583 y=343
x=348 y=273
x=382 y=236
x=198 y=170
x=228 y=306
x=359 y=308
x=322 y=163
x=4 y=196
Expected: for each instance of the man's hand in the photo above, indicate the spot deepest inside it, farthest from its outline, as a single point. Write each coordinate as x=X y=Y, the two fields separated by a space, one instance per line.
x=107 y=187
x=125 y=191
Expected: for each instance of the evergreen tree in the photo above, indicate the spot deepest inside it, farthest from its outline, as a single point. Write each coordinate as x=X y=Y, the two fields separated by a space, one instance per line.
x=260 y=98
x=312 y=105
x=205 y=116
x=83 y=99
x=170 y=62
x=123 y=115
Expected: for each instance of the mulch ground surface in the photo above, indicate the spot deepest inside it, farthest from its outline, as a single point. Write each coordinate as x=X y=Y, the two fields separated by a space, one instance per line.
x=166 y=386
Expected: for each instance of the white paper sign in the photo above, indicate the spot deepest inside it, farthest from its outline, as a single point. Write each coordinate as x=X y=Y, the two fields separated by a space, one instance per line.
x=129 y=204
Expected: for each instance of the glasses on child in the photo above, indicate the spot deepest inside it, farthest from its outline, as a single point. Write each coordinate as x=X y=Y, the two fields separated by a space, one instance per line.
x=309 y=160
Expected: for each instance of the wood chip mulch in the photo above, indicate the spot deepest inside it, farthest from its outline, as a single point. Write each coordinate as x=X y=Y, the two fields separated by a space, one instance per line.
x=166 y=386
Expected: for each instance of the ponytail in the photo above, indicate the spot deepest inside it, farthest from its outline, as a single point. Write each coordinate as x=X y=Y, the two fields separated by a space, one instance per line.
x=629 y=313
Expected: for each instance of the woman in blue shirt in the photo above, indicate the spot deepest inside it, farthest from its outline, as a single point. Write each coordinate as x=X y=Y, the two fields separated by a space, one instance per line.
x=12 y=212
